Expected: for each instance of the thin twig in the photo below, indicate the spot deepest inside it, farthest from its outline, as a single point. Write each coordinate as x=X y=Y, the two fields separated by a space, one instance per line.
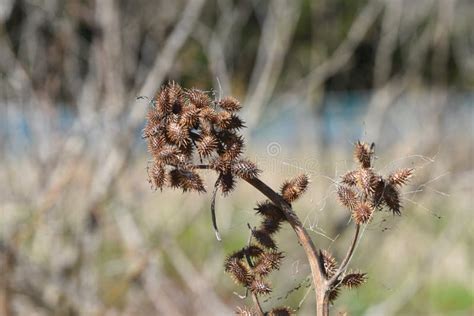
x=347 y=259
x=213 y=208
x=249 y=261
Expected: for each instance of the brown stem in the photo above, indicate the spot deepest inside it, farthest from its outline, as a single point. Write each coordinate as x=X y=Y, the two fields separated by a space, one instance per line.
x=317 y=270
x=249 y=261
x=257 y=304
x=346 y=260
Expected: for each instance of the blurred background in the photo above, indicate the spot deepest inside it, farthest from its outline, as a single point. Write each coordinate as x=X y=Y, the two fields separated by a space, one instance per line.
x=82 y=233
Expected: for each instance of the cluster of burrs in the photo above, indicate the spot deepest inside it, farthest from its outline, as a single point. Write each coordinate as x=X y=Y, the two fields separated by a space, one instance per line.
x=363 y=190
x=187 y=130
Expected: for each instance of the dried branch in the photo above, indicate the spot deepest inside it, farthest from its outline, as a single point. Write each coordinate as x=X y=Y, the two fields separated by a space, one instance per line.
x=345 y=262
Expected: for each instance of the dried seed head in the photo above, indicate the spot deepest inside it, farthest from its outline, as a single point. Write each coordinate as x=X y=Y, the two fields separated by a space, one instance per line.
x=363 y=154
x=260 y=287
x=227 y=182
x=253 y=251
x=294 y=188
x=264 y=239
x=334 y=294
x=353 y=280
x=234 y=145
x=270 y=226
x=281 y=311
x=206 y=146
x=175 y=98
x=392 y=198
x=245 y=169
x=362 y=213
x=188 y=180
x=347 y=197
x=377 y=196
x=267 y=262
x=270 y=210
x=177 y=134
x=238 y=254
x=209 y=115
x=224 y=119
x=238 y=271
x=155 y=145
x=190 y=117
x=230 y=104
x=198 y=98
x=400 y=177
x=367 y=180
x=168 y=155
x=330 y=263
x=235 y=122
x=157 y=176
x=350 y=178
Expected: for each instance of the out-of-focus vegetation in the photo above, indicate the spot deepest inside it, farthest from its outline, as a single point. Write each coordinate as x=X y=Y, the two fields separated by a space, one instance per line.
x=82 y=233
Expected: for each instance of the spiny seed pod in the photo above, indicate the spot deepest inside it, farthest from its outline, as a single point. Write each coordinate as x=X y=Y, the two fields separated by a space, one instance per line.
x=235 y=122
x=153 y=122
x=334 y=294
x=270 y=226
x=293 y=189
x=362 y=213
x=168 y=155
x=190 y=117
x=198 y=98
x=175 y=98
x=281 y=311
x=233 y=150
x=221 y=164
x=224 y=119
x=270 y=210
x=367 y=180
x=161 y=101
x=363 y=154
x=264 y=239
x=245 y=169
x=260 y=287
x=353 y=280
x=238 y=271
x=400 y=177
x=155 y=145
x=392 y=198
x=157 y=176
x=238 y=254
x=188 y=180
x=253 y=251
x=377 y=196
x=268 y=262
x=227 y=182
x=177 y=134
x=230 y=104
x=347 y=197
x=350 y=178
x=175 y=178
x=208 y=115
x=330 y=263
x=206 y=146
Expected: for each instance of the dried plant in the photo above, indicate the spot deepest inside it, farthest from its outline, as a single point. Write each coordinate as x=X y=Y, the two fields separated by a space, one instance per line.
x=186 y=131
